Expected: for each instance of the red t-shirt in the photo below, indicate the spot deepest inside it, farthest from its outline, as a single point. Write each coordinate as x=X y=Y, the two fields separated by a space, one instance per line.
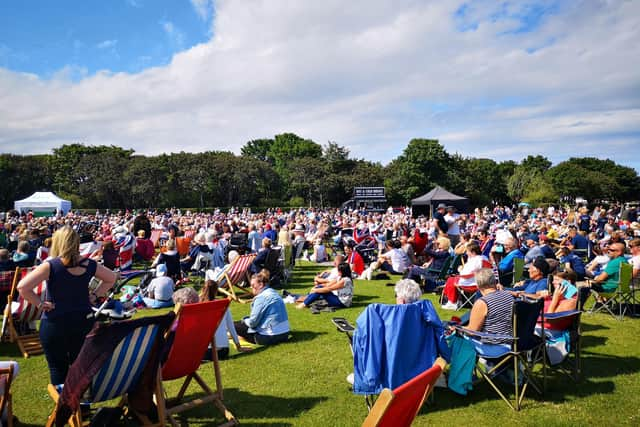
x=356 y=262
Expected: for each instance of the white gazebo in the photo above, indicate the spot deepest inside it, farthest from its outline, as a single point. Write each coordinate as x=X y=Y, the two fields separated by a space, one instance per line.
x=43 y=203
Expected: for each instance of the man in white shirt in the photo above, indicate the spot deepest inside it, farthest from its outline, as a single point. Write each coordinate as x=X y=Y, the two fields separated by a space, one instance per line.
x=452 y=221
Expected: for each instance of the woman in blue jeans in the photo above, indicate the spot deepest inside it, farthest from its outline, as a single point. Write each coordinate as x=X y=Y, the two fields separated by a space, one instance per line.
x=338 y=293
x=64 y=323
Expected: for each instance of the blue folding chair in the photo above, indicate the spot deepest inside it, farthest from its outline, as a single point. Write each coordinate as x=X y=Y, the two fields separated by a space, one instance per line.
x=519 y=350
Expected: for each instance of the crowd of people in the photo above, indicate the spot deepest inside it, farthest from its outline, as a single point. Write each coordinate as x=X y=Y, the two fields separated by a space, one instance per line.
x=572 y=245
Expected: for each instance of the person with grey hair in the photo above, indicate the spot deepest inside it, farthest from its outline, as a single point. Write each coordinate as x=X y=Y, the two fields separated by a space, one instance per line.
x=407 y=291
x=492 y=312
x=185 y=295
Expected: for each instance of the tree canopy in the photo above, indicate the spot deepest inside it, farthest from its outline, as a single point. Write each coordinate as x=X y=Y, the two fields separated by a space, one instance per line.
x=288 y=170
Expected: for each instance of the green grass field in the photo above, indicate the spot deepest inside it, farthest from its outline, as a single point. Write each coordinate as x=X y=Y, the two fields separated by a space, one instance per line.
x=303 y=382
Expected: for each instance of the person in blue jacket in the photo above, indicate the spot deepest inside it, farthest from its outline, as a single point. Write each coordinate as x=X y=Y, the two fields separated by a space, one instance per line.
x=505 y=266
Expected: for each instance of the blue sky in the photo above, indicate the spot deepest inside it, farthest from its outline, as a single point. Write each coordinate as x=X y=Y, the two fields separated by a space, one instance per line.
x=42 y=37
x=488 y=78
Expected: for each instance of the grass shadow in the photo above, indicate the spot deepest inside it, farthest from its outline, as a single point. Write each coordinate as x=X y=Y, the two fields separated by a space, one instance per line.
x=10 y=350
x=361 y=299
x=597 y=365
x=590 y=327
x=301 y=336
x=592 y=341
x=263 y=406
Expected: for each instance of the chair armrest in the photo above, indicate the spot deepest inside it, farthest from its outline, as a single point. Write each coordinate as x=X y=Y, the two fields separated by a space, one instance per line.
x=561 y=315
x=478 y=334
x=343 y=325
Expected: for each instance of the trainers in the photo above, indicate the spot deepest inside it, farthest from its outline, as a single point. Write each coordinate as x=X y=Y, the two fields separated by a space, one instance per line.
x=450 y=306
x=350 y=378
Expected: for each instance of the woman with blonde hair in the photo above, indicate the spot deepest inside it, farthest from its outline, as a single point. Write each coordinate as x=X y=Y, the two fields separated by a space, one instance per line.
x=66 y=318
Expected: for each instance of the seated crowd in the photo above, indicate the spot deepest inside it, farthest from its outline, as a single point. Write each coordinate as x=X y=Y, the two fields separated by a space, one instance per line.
x=560 y=250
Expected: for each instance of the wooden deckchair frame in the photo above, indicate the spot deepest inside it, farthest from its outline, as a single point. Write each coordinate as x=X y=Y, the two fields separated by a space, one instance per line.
x=28 y=344
x=5 y=397
x=233 y=276
x=175 y=405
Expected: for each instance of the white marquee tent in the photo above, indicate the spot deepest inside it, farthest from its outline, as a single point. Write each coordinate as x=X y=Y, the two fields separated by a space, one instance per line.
x=43 y=202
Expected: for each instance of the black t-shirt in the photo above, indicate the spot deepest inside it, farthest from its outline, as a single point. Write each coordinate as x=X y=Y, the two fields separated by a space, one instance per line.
x=444 y=227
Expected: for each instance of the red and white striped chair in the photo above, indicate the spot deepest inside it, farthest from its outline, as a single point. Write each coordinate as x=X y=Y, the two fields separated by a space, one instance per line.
x=19 y=315
x=232 y=277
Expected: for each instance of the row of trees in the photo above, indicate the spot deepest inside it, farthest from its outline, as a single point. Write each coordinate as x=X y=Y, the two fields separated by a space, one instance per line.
x=290 y=170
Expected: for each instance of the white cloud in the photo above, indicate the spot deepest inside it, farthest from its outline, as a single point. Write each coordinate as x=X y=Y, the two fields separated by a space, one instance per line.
x=204 y=8
x=107 y=44
x=367 y=74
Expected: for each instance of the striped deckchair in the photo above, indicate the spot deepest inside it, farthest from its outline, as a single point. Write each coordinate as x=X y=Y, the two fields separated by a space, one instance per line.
x=155 y=237
x=233 y=276
x=21 y=314
x=195 y=329
x=117 y=359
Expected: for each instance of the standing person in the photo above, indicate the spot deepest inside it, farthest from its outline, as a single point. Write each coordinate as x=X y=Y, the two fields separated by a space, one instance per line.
x=439 y=221
x=268 y=322
x=141 y=222
x=453 y=229
x=64 y=322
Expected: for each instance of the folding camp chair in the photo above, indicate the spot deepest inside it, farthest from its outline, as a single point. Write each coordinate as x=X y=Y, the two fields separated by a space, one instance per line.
x=524 y=345
x=439 y=274
x=455 y=263
x=117 y=359
x=195 y=330
x=516 y=273
x=17 y=321
x=234 y=276
x=560 y=326
x=466 y=292
x=275 y=264
x=394 y=343
x=622 y=296
x=399 y=407
x=6 y=377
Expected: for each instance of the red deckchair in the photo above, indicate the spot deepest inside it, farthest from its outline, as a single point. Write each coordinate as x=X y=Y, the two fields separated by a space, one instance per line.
x=196 y=325
x=399 y=407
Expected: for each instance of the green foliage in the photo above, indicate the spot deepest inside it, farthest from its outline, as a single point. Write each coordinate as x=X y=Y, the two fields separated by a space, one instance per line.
x=422 y=165
x=288 y=166
x=540 y=191
x=539 y=163
x=296 y=201
x=258 y=149
x=520 y=182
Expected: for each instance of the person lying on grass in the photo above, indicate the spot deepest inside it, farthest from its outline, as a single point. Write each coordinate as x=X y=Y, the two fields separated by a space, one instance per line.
x=338 y=293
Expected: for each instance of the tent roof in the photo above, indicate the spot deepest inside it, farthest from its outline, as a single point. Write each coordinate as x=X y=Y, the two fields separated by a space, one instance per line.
x=42 y=197
x=437 y=194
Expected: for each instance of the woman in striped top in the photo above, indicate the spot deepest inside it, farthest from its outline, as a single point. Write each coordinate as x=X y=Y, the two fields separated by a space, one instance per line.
x=492 y=313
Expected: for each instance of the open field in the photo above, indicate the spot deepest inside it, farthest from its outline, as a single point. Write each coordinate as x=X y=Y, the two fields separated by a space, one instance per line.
x=303 y=382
